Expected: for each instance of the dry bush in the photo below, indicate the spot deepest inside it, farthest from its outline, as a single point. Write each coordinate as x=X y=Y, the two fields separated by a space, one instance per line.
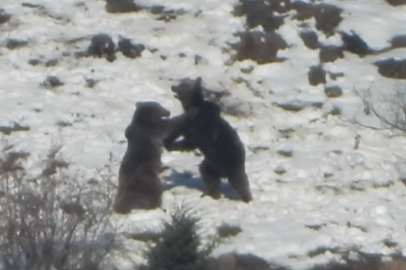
x=52 y=221
x=389 y=109
x=258 y=46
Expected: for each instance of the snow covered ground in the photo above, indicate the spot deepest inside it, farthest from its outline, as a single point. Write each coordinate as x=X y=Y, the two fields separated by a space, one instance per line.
x=332 y=194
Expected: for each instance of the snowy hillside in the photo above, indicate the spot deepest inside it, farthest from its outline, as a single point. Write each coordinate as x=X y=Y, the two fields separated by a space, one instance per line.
x=325 y=174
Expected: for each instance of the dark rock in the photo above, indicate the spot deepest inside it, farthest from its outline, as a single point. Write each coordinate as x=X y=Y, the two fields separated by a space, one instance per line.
x=316 y=75
x=51 y=63
x=293 y=106
x=396 y=2
x=156 y=10
x=52 y=81
x=392 y=68
x=399 y=41
x=310 y=39
x=34 y=62
x=102 y=45
x=30 y=5
x=333 y=91
x=130 y=49
x=121 y=6
x=260 y=47
x=285 y=152
x=353 y=43
x=15 y=128
x=90 y=82
x=330 y=53
x=280 y=170
x=12 y=43
x=4 y=17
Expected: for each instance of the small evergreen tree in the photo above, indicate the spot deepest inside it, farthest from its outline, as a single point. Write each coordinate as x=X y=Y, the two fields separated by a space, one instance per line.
x=179 y=247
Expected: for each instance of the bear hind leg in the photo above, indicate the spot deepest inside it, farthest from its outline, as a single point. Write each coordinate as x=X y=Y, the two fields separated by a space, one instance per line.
x=211 y=180
x=239 y=182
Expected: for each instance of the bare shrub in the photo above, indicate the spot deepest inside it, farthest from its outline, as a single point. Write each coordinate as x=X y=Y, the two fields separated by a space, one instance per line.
x=52 y=221
x=390 y=109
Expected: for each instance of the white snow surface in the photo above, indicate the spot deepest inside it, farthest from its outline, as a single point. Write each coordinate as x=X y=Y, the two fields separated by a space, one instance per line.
x=331 y=196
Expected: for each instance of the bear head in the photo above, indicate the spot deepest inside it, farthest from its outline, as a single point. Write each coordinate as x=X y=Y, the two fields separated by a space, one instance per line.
x=189 y=92
x=149 y=112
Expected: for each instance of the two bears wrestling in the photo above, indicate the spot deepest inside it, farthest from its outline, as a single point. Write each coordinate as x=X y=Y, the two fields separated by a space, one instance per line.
x=201 y=127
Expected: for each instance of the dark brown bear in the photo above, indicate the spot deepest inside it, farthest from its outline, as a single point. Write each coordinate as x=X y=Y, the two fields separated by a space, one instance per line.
x=224 y=153
x=139 y=183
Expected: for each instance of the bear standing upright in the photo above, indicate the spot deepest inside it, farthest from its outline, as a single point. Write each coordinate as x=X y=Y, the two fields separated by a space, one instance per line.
x=139 y=184
x=224 y=153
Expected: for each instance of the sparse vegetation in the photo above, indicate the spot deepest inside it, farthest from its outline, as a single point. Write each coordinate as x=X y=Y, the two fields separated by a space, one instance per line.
x=390 y=110
x=51 y=221
x=259 y=47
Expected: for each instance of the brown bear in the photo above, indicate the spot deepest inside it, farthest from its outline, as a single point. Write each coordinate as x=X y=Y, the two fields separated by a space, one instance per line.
x=224 y=153
x=139 y=185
